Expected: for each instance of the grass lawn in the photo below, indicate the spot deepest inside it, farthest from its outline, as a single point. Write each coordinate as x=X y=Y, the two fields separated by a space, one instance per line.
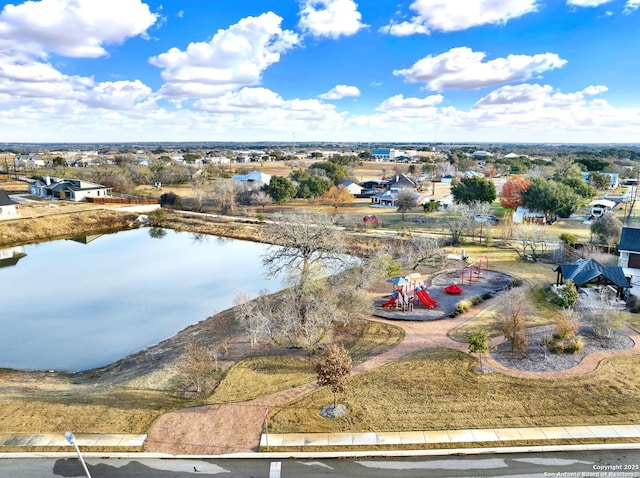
x=257 y=376
x=438 y=389
x=57 y=406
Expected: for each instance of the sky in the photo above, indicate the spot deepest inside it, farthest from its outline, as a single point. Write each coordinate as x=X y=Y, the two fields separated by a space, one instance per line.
x=541 y=71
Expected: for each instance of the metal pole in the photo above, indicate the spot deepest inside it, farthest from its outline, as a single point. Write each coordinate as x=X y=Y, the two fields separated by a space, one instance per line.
x=72 y=440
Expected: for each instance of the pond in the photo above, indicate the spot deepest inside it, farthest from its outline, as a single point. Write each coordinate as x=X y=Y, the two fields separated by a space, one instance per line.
x=76 y=305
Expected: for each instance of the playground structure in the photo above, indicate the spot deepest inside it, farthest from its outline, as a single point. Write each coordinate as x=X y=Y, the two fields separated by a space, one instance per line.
x=474 y=269
x=407 y=291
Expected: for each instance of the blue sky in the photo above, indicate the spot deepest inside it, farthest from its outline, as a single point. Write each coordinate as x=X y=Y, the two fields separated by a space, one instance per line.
x=320 y=70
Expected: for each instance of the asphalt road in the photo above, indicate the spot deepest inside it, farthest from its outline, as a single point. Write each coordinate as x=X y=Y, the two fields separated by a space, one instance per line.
x=598 y=464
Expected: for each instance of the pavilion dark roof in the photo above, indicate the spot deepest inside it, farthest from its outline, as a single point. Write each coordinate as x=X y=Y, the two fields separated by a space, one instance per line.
x=583 y=271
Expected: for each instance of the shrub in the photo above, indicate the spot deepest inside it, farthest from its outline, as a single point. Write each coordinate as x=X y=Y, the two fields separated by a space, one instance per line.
x=462 y=307
x=431 y=206
x=565 y=328
x=634 y=304
x=171 y=199
x=569 y=239
x=515 y=282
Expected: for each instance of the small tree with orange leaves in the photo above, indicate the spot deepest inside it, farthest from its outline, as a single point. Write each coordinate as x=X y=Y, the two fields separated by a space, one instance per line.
x=512 y=192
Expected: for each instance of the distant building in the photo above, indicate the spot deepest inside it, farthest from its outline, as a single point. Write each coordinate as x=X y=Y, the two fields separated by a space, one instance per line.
x=353 y=188
x=629 y=259
x=255 y=179
x=71 y=189
x=8 y=208
x=615 y=178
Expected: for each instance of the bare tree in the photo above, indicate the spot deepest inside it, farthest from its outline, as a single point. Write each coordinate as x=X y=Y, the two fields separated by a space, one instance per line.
x=600 y=312
x=530 y=241
x=406 y=200
x=458 y=220
x=197 y=366
x=303 y=244
x=260 y=198
x=307 y=249
x=512 y=318
x=333 y=370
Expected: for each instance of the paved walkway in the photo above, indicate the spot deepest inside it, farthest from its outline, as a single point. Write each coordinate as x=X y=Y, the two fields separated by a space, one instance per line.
x=209 y=429
x=82 y=440
x=465 y=437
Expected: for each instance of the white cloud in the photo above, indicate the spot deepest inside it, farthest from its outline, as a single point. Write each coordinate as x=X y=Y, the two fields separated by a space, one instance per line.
x=631 y=5
x=73 y=28
x=340 y=91
x=399 y=102
x=330 y=18
x=454 y=15
x=233 y=58
x=464 y=68
x=587 y=3
x=117 y=95
x=406 y=28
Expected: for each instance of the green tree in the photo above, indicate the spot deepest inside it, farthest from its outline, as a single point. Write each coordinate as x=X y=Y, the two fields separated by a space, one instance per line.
x=473 y=189
x=599 y=180
x=334 y=170
x=280 y=189
x=313 y=186
x=608 y=229
x=550 y=197
x=333 y=370
x=479 y=344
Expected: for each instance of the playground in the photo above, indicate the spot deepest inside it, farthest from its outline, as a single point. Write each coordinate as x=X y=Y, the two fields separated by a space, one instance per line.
x=420 y=298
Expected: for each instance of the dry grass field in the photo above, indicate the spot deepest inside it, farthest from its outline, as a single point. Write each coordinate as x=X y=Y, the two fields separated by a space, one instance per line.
x=439 y=389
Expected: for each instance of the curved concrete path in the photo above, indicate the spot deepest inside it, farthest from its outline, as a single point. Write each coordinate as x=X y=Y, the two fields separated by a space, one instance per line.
x=210 y=429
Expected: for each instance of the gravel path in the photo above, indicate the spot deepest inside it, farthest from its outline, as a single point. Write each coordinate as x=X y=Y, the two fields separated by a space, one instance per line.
x=234 y=428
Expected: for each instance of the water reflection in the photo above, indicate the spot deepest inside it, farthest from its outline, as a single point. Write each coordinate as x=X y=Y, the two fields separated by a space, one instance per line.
x=68 y=306
x=157 y=233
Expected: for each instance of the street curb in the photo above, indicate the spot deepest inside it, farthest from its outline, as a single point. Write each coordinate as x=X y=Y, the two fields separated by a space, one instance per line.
x=342 y=454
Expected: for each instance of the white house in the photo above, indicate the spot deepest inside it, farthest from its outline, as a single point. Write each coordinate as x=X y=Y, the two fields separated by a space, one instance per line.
x=629 y=259
x=253 y=179
x=72 y=189
x=7 y=206
x=353 y=188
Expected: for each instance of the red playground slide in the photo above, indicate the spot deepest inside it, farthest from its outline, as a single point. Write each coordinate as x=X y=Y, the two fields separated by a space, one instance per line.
x=426 y=299
x=391 y=301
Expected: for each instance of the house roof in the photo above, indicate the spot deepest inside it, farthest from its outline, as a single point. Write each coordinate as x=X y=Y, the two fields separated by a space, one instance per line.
x=630 y=239
x=400 y=180
x=256 y=176
x=584 y=271
x=5 y=200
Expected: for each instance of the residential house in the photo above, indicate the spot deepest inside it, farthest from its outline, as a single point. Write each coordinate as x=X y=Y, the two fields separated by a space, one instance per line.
x=254 y=180
x=629 y=260
x=353 y=188
x=8 y=208
x=614 y=177
x=400 y=181
x=72 y=189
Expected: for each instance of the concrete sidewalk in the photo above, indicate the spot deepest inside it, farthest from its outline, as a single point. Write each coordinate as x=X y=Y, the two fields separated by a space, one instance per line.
x=449 y=436
x=82 y=439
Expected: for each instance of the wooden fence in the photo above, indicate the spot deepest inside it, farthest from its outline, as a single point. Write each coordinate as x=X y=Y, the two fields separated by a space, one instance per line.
x=112 y=200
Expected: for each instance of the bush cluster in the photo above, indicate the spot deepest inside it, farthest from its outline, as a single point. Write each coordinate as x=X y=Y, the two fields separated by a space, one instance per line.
x=466 y=304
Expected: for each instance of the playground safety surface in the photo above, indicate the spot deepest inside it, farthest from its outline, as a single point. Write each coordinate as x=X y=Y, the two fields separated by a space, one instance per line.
x=489 y=282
